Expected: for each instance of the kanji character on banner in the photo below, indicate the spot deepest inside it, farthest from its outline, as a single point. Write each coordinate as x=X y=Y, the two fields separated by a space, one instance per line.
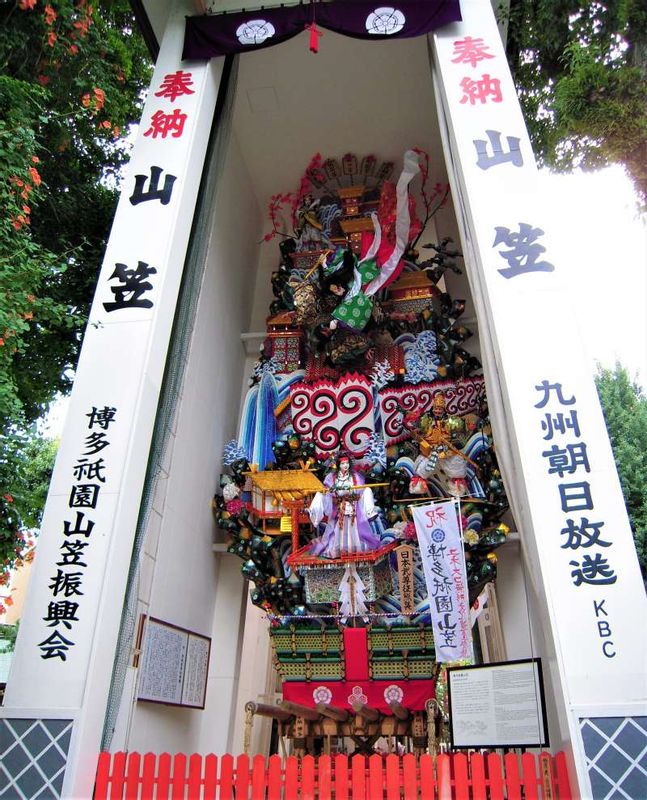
x=575 y=496
x=583 y=535
x=140 y=195
x=162 y=124
x=481 y=90
x=560 y=423
x=486 y=160
x=134 y=286
x=546 y=387
x=55 y=646
x=470 y=50
x=593 y=570
x=524 y=250
x=566 y=460
x=102 y=417
x=176 y=84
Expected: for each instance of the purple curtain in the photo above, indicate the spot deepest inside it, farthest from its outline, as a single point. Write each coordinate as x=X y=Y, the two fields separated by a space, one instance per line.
x=221 y=34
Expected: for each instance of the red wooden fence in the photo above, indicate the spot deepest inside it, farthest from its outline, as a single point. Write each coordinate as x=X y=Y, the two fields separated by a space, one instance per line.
x=130 y=776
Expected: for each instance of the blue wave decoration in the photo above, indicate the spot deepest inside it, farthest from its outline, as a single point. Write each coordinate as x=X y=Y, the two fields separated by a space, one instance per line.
x=265 y=428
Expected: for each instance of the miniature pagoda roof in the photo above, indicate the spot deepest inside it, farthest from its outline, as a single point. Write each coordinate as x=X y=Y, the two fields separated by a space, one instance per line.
x=287 y=481
x=413 y=280
x=282 y=318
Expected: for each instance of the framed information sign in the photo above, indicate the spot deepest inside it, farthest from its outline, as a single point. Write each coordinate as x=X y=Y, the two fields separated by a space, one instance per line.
x=174 y=665
x=497 y=705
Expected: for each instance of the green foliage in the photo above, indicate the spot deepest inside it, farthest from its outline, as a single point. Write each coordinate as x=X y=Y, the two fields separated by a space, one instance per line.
x=625 y=412
x=581 y=74
x=8 y=635
x=71 y=81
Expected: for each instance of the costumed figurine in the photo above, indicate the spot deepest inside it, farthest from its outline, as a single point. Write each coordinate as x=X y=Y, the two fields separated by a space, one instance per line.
x=348 y=507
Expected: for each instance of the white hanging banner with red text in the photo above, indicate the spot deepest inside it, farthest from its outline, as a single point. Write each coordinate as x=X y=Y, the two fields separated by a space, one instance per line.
x=443 y=560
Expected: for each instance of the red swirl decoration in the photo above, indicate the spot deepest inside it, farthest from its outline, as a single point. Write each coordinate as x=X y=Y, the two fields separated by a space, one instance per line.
x=357 y=402
x=323 y=407
x=300 y=405
x=334 y=415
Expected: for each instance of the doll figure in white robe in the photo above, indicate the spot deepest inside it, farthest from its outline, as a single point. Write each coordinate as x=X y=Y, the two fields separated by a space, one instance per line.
x=347 y=512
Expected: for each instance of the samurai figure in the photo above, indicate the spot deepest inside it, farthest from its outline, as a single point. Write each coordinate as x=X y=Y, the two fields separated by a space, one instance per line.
x=347 y=507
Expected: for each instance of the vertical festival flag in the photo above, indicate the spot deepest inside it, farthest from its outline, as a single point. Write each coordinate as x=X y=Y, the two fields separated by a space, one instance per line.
x=441 y=548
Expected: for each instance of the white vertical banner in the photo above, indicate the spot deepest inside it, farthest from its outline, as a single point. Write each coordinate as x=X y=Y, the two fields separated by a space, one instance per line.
x=443 y=559
x=68 y=634
x=551 y=438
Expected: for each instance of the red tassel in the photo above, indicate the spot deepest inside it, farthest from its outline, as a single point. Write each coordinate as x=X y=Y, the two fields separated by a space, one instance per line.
x=315 y=33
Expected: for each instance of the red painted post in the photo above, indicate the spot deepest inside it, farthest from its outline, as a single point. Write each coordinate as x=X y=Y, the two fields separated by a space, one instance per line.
x=308 y=783
x=495 y=776
x=259 y=778
x=444 y=777
x=427 y=777
x=291 y=778
x=241 y=779
x=375 y=777
x=211 y=777
x=324 y=774
x=563 y=782
x=194 y=781
x=163 y=774
x=477 y=774
x=512 y=780
x=103 y=776
x=178 y=777
x=358 y=773
x=461 y=777
x=148 y=776
x=392 y=777
x=275 y=778
x=226 y=777
x=118 y=775
x=530 y=781
x=132 y=776
x=341 y=777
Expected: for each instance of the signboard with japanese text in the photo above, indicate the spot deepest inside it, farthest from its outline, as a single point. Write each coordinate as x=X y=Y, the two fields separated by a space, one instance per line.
x=443 y=561
x=551 y=437
x=174 y=666
x=497 y=705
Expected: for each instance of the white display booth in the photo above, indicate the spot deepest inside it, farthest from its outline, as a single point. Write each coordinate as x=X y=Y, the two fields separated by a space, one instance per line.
x=176 y=373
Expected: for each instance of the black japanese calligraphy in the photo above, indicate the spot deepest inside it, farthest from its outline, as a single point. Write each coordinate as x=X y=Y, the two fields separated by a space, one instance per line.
x=134 y=285
x=141 y=195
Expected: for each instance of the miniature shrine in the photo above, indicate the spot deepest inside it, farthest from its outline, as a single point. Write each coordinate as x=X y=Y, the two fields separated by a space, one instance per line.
x=364 y=406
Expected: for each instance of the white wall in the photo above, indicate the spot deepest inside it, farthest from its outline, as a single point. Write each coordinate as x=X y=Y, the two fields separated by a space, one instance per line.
x=181 y=580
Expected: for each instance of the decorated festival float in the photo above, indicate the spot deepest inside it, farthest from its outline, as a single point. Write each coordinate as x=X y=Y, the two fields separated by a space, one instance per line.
x=362 y=492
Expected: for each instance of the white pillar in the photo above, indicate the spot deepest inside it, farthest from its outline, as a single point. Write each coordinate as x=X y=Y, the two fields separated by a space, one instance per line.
x=550 y=432
x=64 y=656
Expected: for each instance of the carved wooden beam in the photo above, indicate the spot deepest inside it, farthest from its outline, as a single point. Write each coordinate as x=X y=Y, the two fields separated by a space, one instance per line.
x=367 y=713
x=263 y=710
x=339 y=714
x=301 y=711
x=399 y=711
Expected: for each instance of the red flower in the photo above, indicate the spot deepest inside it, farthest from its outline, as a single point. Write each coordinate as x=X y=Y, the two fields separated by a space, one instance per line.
x=51 y=38
x=100 y=98
x=26 y=5
x=35 y=176
x=8 y=498
x=50 y=15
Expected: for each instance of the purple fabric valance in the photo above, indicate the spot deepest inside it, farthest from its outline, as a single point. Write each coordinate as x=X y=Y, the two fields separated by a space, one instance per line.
x=221 y=34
